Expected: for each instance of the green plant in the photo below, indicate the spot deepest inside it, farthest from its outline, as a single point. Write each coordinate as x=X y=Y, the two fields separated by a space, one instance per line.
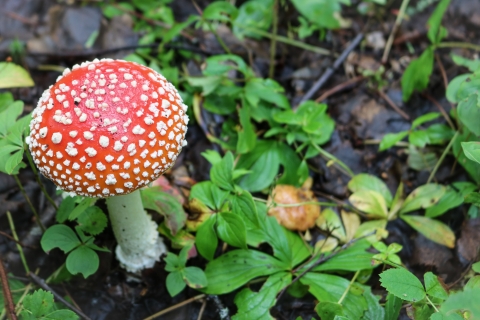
x=40 y=305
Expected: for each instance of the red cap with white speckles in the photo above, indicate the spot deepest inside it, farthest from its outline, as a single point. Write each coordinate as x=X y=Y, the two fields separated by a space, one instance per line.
x=107 y=127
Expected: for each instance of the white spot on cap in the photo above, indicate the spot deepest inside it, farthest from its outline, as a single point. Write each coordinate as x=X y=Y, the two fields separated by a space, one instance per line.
x=109 y=158
x=118 y=146
x=127 y=76
x=104 y=141
x=91 y=152
x=43 y=132
x=101 y=166
x=88 y=135
x=110 y=179
x=56 y=137
x=73 y=133
x=59 y=155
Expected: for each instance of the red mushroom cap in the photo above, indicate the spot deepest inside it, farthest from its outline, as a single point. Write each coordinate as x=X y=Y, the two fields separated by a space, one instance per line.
x=107 y=128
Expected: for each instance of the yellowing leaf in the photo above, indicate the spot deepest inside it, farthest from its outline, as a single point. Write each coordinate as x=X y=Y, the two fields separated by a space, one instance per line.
x=432 y=229
x=14 y=76
x=370 y=202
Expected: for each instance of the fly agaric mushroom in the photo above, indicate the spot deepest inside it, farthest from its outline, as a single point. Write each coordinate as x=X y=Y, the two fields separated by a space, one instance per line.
x=105 y=129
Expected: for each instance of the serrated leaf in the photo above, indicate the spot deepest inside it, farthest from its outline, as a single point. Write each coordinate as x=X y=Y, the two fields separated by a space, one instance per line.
x=39 y=303
x=432 y=229
x=93 y=220
x=59 y=236
x=433 y=286
x=82 y=260
x=403 y=284
x=423 y=197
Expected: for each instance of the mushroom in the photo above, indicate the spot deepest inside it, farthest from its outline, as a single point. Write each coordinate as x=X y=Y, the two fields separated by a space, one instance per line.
x=105 y=129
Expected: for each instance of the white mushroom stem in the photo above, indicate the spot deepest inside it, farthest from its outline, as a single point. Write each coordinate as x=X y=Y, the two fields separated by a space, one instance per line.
x=139 y=244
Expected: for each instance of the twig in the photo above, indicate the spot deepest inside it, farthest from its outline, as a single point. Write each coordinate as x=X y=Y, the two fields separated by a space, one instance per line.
x=393 y=105
x=444 y=154
x=330 y=70
x=223 y=311
x=7 y=294
x=398 y=21
x=202 y=309
x=18 y=242
x=339 y=87
x=462 y=45
x=442 y=110
x=35 y=213
x=41 y=283
x=445 y=84
x=178 y=305
x=273 y=42
x=15 y=236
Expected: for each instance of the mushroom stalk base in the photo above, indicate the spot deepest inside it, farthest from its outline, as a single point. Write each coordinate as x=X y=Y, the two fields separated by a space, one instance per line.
x=139 y=244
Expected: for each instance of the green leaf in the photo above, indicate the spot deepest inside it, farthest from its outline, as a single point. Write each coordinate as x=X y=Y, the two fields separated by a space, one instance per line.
x=9 y=116
x=194 y=277
x=329 y=288
x=454 y=86
x=59 y=236
x=472 y=65
x=246 y=135
x=432 y=229
x=14 y=76
x=472 y=167
x=417 y=74
x=93 y=220
x=453 y=197
x=425 y=118
x=175 y=283
x=82 y=260
x=374 y=310
x=436 y=32
x=256 y=305
x=220 y=11
x=365 y=181
x=206 y=240
x=231 y=229
x=433 y=287
x=353 y=259
x=390 y=139
x=167 y=205
x=392 y=307
x=472 y=150
x=235 y=268
x=423 y=197
x=244 y=206
x=329 y=310
x=208 y=84
x=219 y=104
x=403 y=284
x=419 y=138
x=269 y=90
x=322 y=13
x=370 y=202
x=39 y=303
x=221 y=172
x=82 y=206
x=469 y=112
x=6 y=99
x=208 y=193
x=67 y=206
x=255 y=14
x=276 y=237
x=466 y=300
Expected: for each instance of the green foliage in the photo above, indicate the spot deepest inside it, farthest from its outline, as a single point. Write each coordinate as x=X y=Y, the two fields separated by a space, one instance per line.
x=40 y=305
x=14 y=76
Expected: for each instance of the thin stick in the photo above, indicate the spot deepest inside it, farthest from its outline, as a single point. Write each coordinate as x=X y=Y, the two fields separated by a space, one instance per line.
x=462 y=45
x=178 y=305
x=35 y=213
x=330 y=70
x=273 y=42
x=445 y=84
x=348 y=288
x=41 y=283
x=202 y=309
x=398 y=21
x=393 y=105
x=7 y=294
x=15 y=236
x=442 y=110
x=13 y=239
x=442 y=157
x=339 y=87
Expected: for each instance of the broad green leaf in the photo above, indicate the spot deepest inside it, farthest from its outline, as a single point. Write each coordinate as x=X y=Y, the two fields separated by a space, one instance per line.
x=469 y=87
x=439 y=133
x=231 y=229
x=329 y=310
x=423 y=197
x=219 y=104
x=276 y=237
x=432 y=229
x=194 y=277
x=168 y=206
x=255 y=14
x=244 y=206
x=39 y=303
x=322 y=13
x=246 y=134
x=421 y=159
x=472 y=167
x=472 y=150
x=374 y=310
x=14 y=76
x=63 y=314
x=208 y=83
x=469 y=112
x=235 y=268
x=290 y=162
x=65 y=208
x=392 y=307
x=13 y=162
x=59 y=236
x=82 y=260
x=417 y=74
x=175 y=283
x=419 y=138
x=390 y=139
x=433 y=287
x=353 y=258
x=330 y=221
x=256 y=305
x=221 y=11
x=370 y=202
x=435 y=31
x=329 y=288
x=93 y=220
x=82 y=206
x=209 y=194
x=453 y=87
x=403 y=284
x=472 y=65
x=206 y=240
x=221 y=172
x=473 y=283
x=300 y=250
x=6 y=98
x=269 y=90
x=212 y=156
x=9 y=116
x=453 y=197
x=464 y=300
x=425 y=118
x=364 y=181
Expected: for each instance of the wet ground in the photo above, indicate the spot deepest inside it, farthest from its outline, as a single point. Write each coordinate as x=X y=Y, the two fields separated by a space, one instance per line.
x=54 y=34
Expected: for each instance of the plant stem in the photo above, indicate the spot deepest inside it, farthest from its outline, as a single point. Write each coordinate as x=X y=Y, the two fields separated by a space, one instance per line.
x=19 y=247
x=398 y=21
x=37 y=178
x=462 y=45
x=431 y=303
x=326 y=204
x=273 y=42
x=442 y=157
x=348 y=288
x=7 y=294
x=219 y=39
x=35 y=213
x=335 y=160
